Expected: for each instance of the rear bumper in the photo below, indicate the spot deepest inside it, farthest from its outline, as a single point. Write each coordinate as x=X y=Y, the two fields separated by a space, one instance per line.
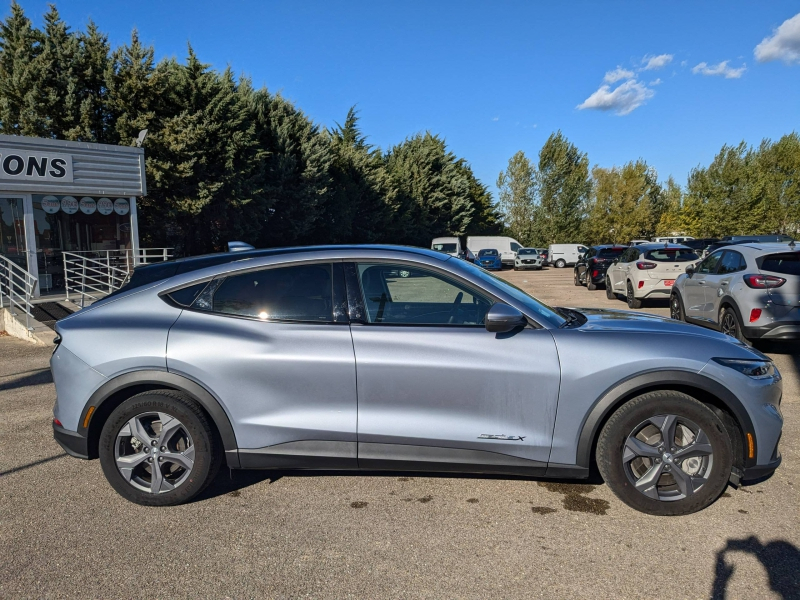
x=73 y=443
x=780 y=330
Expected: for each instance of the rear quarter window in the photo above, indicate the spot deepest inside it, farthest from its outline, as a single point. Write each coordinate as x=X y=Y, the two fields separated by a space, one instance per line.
x=671 y=255
x=787 y=263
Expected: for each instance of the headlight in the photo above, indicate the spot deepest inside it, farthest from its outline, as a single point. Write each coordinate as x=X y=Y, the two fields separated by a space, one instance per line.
x=757 y=369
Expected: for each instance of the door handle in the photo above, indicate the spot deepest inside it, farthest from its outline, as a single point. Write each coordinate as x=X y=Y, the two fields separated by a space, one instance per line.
x=723 y=283
x=701 y=282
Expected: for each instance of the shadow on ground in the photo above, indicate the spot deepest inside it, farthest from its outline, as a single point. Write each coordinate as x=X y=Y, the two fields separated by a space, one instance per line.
x=20 y=380
x=779 y=558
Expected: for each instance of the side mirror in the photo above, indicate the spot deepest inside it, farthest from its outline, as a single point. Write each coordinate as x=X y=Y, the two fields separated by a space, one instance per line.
x=689 y=270
x=502 y=318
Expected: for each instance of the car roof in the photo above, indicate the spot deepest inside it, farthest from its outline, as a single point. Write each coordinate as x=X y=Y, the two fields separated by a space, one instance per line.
x=604 y=246
x=659 y=245
x=756 y=247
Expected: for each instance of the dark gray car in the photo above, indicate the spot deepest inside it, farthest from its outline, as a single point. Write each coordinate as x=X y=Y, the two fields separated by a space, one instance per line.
x=375 y=357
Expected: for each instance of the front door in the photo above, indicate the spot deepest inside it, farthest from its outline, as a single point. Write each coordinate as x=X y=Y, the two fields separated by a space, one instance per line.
x=435 y=389
x=274 y=346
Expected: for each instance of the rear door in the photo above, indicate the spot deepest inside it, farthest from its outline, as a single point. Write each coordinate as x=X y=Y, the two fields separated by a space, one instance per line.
x=695 y=302
x=437 y=391
x=718 y=284
x=274 y=346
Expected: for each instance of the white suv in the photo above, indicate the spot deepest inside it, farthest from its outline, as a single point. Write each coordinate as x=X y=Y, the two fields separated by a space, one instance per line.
x=647 y=271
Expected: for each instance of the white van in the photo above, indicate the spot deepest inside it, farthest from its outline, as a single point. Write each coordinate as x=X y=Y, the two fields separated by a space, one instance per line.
x=506 y=246
x=673 y=239
x=562 y=255
x=448 y=245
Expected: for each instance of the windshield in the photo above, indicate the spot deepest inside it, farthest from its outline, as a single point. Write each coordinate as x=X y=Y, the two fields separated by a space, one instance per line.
x=672 y=255
x=487 y=253
x=444 y=248
x=527 y=252
x=536 y=307
x=610 y=252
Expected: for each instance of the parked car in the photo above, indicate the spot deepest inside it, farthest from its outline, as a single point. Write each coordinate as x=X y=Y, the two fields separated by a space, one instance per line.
x=506 y=246
x=544 y=255
x=636 y=242
x=748 y=291
x=342 y=358
x=565 y=255
x=675 y=239
x=700 y=245
x=590 y=270
x=448 y=245
x=647 y=271
x=777 y=238
x=489 y=258
x=528 y=258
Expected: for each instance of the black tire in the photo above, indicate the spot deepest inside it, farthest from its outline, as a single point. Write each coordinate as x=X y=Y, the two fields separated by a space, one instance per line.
x=633 y=301
x=207 y=448
x=676 y=307
x=611 y=446
x=590 y=285
x=730 y=324
x=610 y=290
x=560 y=263
x=515 y=268
x=575 y=278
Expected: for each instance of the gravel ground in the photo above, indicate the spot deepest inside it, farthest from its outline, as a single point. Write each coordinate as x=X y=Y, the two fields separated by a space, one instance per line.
x=65 y=533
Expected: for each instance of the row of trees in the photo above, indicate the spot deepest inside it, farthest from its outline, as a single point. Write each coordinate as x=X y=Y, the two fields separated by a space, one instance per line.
x=224 y=160
x=745 y=190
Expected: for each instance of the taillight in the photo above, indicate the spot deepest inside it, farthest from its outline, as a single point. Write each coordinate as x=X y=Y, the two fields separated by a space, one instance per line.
x=594 y=273
x=643 y=265
x=762 y=282
x=755 y=315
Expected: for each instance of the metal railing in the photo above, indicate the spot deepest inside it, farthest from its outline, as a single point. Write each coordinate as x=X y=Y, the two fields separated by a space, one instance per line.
x=91 y=275
x=18 y=288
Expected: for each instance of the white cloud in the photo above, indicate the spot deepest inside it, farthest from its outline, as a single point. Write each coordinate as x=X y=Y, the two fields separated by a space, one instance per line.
x=495 y=118
x=783 y=44
x=719 y=69
x=618 y=74
x=684 y=63
x=652 y=63
x=655 y=82
x=623 y=99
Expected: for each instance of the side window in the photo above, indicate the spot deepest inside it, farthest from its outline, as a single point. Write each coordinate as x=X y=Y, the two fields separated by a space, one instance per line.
x=404 y=295
x=628 y=255
x=515 y=247
x=709 y=265
x=731 y=263
x=300 y=293
x=590 y=253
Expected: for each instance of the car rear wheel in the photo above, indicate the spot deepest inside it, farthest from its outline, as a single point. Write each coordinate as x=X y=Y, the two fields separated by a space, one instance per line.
x=575 y=278
x=590 y=285
x=633 y=301
x=676 y=308
x=729 y=324
x=560 y=263
x=665 y=453
x=610 y=290
x=158 y=449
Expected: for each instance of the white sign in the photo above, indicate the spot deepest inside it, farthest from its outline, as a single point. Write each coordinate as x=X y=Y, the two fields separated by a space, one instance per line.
x=88 y=205
x=69 y=205
x=121 y=206
x=21 y=165
x=51 y=205
x=105 y=206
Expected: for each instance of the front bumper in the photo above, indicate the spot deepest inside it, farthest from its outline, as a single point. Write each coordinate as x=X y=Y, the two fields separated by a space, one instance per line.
x=72 y=442
x=761 y=471
x=520 y=265
x=779 y=330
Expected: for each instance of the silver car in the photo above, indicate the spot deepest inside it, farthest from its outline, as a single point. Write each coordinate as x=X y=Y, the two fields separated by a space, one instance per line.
x=374 y=357
x=749 y=291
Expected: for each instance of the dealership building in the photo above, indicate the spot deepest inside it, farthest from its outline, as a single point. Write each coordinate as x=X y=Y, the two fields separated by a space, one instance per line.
x=60 y=197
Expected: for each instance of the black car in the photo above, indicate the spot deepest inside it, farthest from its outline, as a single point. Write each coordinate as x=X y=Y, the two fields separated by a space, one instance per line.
x=590 y=270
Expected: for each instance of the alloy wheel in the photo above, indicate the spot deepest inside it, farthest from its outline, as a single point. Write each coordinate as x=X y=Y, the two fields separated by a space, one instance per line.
x=154 y=452
x=675 y=308
x=729 y=325
x=667 y=458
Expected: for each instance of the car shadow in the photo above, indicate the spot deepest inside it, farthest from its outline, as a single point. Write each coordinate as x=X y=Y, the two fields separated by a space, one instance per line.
x=780 y=559
x=231 y=481
x=37 y=377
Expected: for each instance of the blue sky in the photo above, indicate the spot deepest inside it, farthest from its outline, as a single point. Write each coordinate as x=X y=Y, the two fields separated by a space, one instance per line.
x=496 y=77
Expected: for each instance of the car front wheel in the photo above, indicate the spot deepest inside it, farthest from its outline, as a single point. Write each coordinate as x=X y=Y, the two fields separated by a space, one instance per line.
x=665 y=453
x=158 y=449
x=676 y=308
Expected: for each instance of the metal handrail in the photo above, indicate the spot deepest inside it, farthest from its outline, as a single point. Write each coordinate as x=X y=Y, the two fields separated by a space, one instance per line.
x=91 y=278
x=19 y=287
x=127 y=256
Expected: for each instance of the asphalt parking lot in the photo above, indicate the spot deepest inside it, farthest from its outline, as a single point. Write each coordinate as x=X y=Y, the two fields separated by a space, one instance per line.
x=66 y=533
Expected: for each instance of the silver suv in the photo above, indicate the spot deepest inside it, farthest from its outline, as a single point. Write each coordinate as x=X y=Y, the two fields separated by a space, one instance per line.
x=748 y=291
x=375 y=357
